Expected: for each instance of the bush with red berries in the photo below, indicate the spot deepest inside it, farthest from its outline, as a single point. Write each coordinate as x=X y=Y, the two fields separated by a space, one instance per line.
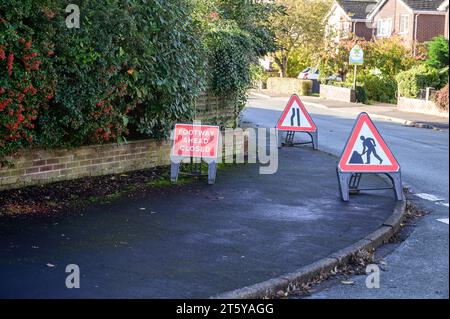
x=24 y=88
x=441 y=98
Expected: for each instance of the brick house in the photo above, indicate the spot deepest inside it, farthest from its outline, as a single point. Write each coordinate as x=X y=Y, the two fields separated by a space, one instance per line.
x=415 y=21
x=349 y=17
x=444 y=8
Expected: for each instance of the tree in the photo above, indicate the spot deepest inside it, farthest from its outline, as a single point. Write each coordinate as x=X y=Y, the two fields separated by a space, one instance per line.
x=301 y=26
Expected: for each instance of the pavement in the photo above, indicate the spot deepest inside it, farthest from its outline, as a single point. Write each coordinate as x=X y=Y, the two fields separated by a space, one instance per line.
x=193 y=240
x=418 y=267
x=382 y=111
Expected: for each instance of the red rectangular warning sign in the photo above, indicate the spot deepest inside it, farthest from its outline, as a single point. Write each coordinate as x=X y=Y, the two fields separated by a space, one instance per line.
x=196 y=141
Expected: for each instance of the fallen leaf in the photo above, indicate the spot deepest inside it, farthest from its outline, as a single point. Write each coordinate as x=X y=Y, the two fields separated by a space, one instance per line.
x=49 y=265
x=347 y=282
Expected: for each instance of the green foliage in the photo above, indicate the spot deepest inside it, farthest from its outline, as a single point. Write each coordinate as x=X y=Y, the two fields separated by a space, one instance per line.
x=301 y=26
x=24 y=85
x=134 y=67
x=305 y=87
x=442 y=99
x=438 y=53
x=383 y=60
x=231 y=54
x=420 y=77
x=236 y=33
x=257 y=73
x=387 y=56
x=380 y=89
x=300 y=59
x=361 y=95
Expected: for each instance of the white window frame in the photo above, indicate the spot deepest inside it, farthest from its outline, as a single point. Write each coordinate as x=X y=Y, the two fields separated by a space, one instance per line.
x=404 y=24
x=384 y=27
x=346 y=30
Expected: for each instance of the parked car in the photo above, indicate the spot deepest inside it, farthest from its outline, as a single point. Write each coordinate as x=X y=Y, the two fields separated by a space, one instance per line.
x=312 y=73
x=333 y=77
x=309 y=73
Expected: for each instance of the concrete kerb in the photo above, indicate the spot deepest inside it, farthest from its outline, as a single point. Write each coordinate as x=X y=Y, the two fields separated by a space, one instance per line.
x=397 y=120
x=269 y=288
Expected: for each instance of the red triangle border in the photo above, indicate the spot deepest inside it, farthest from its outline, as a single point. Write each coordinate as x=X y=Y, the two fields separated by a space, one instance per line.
x=363 y=168
x=295 y=98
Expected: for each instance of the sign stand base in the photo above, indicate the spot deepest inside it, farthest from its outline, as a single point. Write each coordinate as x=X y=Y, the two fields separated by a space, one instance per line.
x=195 y=171
x=349 y=184
x=289 y=140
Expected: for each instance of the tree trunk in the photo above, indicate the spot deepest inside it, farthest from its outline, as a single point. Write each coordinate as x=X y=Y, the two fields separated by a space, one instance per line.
x=282 y=62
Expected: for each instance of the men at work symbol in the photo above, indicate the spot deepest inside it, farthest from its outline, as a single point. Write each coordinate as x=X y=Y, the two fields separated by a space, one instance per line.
x=293 y=116
x=368 y=149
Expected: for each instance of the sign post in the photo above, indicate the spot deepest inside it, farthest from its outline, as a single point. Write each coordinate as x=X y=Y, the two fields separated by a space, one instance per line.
x=295 y=118
x=196 y=142
x=356 y=58
x=366 y=153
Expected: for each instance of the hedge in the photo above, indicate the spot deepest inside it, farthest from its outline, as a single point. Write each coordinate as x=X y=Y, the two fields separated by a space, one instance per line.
x=133 y=68
x=410 y=82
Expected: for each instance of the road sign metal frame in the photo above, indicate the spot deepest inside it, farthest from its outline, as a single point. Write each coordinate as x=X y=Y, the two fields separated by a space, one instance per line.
x=347 y=185
x=349 y=181
x=289 y=139
x=196 y=169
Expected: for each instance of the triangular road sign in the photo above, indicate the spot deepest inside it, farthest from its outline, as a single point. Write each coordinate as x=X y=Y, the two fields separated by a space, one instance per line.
x=366 y=150
x=295 y=117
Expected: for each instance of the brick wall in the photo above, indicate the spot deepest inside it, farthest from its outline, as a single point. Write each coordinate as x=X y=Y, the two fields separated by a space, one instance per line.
x=36 y=166
x=430 y=26
x=33 y=166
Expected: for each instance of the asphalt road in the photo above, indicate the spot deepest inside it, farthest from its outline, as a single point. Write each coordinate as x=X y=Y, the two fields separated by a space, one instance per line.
x=418 y=267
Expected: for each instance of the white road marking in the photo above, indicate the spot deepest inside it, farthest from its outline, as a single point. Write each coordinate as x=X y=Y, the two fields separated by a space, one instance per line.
x=429 y=197
x=443 y=220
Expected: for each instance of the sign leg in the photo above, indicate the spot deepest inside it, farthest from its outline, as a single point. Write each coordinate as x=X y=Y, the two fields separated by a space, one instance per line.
x=315 y=139
x=212 y=170
x=280 y=139
x=344 y=182
x=396 y=179
x=174 y=171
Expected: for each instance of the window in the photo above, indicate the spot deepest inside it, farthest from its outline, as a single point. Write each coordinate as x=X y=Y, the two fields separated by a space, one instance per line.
x=404 y=23
x=345 y=29
x=384 y=27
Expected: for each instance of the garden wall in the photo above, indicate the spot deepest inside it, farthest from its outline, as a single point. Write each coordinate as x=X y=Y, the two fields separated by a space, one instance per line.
x=285 y=86
x=420 y=106
x=36 y=166
x=210 y=109
x=337 y=93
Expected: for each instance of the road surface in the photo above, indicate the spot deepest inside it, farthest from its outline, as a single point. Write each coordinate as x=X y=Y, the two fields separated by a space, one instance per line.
x=418 y=267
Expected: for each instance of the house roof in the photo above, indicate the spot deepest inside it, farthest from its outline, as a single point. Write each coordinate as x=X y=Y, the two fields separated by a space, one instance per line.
x=357 y=9
x=431 y=6
x=423 y=5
